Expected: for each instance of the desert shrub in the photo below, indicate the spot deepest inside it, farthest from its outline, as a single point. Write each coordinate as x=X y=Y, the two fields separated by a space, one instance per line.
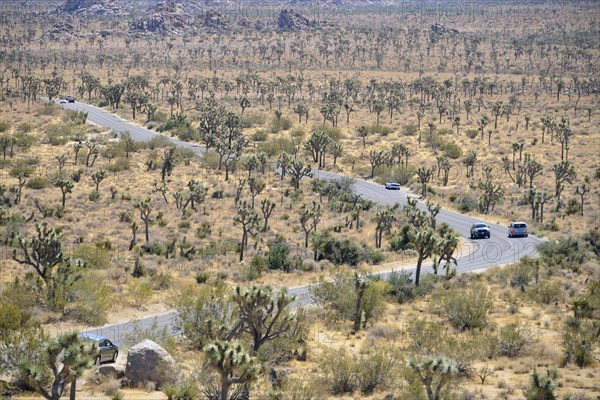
x=402 y=240
x=471 y=133
x=75 y=117
x=254 y=119
x=397 y=173
x=91 y=300
x=49 y=109
x=579 y=339
x=158 y=142
x=280 y=124
x=464 y=308
x=155 y=333
x=37 y=183
x=22 y=168
x=23 y=128
x=403 y=288
x=444 y=131
x=95 y=257
x=259 y=135
x=546 y=293
x=337 y=251
x=338 y=367
x=452 y=150
x=275 y=146
x=94 y=196
x=139 y=292
x=278 y=256
x=203 y=230
x=59 y=134
x=381 y=129
x=4 y=126
x=338 y=296
x=592 y=238
x=467 y=204
x=182 y=390
x=514 y=339
x=255 y=269
x=518 y=275
x=374 y=368
x=409 y=130
x=567 y=253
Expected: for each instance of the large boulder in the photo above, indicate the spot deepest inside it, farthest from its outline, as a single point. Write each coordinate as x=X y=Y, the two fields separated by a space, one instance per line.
x=290 y=20
x=148 y=362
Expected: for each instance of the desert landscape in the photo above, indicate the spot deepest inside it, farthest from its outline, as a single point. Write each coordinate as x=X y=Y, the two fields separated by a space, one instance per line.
x=196 y=204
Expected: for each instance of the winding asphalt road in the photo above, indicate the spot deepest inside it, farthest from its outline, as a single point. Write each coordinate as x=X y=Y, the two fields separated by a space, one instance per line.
x=476 y=254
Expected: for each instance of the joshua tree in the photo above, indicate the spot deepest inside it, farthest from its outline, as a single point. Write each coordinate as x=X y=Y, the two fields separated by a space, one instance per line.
x=425 y=242
x=255 y=186
x=65 y=185
x=266 y=207
x=145 y=208
x=376 y=158
x=98 y=177
x=532 y=170
x=297 y=171
x=169 y=163
x=263 y=315
x=434 y=372
x=564 y=172
x=482 y=123
x=492 y=193
x=65 y=358
x=363 y=132
x=309 y=219
x=383 y=222
x=582 y=190
x=424 y=174
x=247 y=218
x=233 y=366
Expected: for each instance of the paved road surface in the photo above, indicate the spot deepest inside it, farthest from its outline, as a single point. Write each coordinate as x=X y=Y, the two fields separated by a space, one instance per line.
x=476 y=254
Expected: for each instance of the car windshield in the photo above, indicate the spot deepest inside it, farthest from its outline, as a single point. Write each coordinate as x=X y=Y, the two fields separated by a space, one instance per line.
x=480 y=226
x=520 y=225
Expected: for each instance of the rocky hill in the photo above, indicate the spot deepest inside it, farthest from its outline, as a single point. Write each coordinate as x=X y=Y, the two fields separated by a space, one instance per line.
x=94 y=8
x=164 y=18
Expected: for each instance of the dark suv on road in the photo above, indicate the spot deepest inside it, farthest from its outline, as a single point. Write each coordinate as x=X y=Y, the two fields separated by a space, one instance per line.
x=480 y=230
x=107 y=351
x=70 y=99
x=517 y=229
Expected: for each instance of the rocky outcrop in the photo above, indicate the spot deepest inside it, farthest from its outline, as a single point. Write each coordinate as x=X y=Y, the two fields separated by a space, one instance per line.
x=166 y=17
x=94 y=8
x=290 y=20
x=214 y=21
x=442 y=30
x=60 y=30
x=148 y=362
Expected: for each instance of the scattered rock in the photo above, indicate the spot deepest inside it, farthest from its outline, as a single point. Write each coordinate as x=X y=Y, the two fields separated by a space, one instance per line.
x=442 y=30
x=214 y=21
x=148 y=362
x=290 y=20
x=112 y=370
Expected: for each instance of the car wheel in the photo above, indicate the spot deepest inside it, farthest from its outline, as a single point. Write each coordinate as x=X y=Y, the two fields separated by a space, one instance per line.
x=97 y=360
x=488 y=236
x=114 y=359
x=526 y=235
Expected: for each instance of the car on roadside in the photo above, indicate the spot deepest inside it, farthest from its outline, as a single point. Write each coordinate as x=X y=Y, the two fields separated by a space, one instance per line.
x=70 y=99
x=62 y=101
x=107 y=350
x=480 y=230
x=518 y=229
x=392 y=186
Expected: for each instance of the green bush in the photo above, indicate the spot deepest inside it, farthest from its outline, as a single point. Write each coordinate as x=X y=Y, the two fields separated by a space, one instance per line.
x=409 y=130
x=452 y=150
x=119 y=165
x=464 y=309
x=467 y=204
x=337 y=251
x=203 y=230
x=276 y=146
x=37 y=183
x=514 y=339
x=579 y=338
x=76 y=117
x=22 y=168
x=547 y=293
x=471 y=133
x=259 y=135
x=280 y=124
x=4 y=126
x=338 y=367
x=139 y=292
x=91 y=300
x=94 y=196
x=278 y=256
x=254 y=119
